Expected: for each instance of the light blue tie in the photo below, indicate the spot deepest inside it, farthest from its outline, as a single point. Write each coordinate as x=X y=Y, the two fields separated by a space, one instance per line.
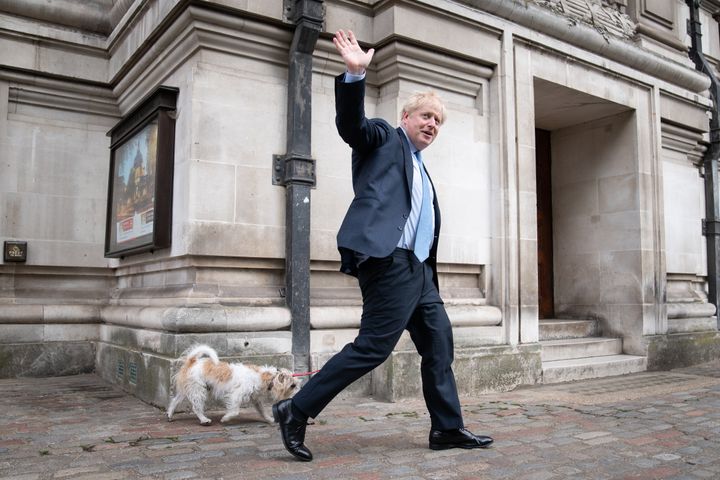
x=424 y=234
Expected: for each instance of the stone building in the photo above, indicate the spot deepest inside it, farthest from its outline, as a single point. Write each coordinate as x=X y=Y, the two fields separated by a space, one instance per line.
x=575 y=174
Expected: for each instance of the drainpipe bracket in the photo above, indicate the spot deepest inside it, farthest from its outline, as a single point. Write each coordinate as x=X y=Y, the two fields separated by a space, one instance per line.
x=295 y=11
x=293 y=169
x=710 y=227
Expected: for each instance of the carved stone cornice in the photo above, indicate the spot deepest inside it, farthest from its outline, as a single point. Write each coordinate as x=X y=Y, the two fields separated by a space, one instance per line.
x=608 y=17
x=193 y=29
x=94 y=16
x=87 y=15
x=74 y=96
x=195 y=319
x=48 y=314
x=684 y=141
x=401 y=60
x=542 y=20
x=711 y=6
x=661 y=36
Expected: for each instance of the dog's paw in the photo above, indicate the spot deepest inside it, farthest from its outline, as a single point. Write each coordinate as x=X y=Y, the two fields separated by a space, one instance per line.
x=205 y=422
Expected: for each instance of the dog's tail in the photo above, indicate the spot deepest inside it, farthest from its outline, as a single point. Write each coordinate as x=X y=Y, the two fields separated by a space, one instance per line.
x=199 y=351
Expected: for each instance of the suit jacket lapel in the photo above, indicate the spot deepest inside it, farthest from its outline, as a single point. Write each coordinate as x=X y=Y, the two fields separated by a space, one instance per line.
x=407 y=160
x=436 y=205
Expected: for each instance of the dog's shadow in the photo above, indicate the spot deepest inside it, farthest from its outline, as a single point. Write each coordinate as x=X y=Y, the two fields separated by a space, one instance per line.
x=250 y=419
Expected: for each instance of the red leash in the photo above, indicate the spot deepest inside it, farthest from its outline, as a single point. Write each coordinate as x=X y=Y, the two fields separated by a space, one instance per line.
x=304 y=374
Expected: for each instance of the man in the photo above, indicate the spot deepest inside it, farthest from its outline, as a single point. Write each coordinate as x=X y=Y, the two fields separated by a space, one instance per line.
x=388 y=239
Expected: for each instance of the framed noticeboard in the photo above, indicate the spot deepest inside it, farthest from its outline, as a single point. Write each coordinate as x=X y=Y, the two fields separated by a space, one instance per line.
x=140 y=187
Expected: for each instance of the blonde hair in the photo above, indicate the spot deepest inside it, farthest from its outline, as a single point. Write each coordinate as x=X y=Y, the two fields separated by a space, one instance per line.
x=419 y=99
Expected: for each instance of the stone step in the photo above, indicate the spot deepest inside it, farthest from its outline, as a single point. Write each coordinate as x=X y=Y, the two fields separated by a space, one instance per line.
x=557 y=328
x=558 y=371
x=568 y=348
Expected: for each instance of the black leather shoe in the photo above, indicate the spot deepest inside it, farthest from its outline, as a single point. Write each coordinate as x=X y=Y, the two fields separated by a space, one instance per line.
x=459 y=438
x=292 y=431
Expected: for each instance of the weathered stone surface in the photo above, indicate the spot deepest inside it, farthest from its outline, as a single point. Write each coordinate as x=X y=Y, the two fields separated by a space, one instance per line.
x=682 y=349
x=690 y=310
x=46 y=359
x=148 y=375
x=477 y=370
x=685 y=325
x=199 y=319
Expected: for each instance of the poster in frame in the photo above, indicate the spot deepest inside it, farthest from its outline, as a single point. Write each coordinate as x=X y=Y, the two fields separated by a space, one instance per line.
x=140 y=186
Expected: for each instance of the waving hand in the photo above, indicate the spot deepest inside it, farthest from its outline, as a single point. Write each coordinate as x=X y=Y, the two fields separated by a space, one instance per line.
x=355 y=59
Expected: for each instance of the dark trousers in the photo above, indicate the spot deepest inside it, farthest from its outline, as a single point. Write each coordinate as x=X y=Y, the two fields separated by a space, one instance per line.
x=398 y=294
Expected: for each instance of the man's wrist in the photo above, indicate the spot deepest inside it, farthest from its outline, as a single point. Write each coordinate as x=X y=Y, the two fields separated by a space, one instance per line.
x=353 y=77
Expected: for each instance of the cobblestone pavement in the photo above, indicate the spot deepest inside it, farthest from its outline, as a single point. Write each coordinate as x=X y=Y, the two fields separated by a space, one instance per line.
x=661 y=425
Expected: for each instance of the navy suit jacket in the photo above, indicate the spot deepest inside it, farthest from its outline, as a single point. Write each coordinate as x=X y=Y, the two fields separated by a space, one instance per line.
x=382 y=176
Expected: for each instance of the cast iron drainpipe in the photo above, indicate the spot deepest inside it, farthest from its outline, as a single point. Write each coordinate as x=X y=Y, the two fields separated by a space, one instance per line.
x=296 y=171
x=711 y=223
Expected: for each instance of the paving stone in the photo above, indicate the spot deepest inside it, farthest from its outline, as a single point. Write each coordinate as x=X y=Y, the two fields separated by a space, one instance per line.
x=181 y=475
x=119 y=475
x=601 y=441
x=704 y=474
x=589 y=435
x=158 y=468
x=71 y=472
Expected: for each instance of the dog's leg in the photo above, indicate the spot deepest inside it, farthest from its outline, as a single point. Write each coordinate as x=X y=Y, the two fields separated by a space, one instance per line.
x=232 y=407
x=201 y=415
x=196 y=396
x=233 y=402
x=173 y=405
x=230 y=414
x=257 y=403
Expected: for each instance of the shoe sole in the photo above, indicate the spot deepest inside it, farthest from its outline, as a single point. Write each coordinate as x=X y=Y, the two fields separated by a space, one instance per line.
x=276 y=417
x=447 y=446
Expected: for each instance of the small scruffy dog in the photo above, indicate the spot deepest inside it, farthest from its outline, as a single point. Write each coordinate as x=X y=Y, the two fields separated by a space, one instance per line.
x=234 y=384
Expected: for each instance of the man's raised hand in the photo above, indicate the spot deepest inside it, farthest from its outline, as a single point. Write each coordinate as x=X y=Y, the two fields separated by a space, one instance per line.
x=356 y=61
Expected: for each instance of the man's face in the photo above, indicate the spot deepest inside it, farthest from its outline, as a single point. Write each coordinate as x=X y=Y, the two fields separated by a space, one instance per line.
x=422 y=125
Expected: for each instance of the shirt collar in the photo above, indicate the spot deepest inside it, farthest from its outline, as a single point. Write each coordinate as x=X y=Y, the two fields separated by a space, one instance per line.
x=414 y=150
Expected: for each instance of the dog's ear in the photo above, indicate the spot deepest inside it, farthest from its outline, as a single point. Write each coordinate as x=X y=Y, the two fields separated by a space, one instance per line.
x=281 y=379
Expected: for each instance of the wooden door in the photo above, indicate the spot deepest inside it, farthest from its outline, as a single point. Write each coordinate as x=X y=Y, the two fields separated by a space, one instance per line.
x=543 y=177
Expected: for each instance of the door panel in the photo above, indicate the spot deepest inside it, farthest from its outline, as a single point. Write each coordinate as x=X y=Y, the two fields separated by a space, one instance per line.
x=545 y=228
